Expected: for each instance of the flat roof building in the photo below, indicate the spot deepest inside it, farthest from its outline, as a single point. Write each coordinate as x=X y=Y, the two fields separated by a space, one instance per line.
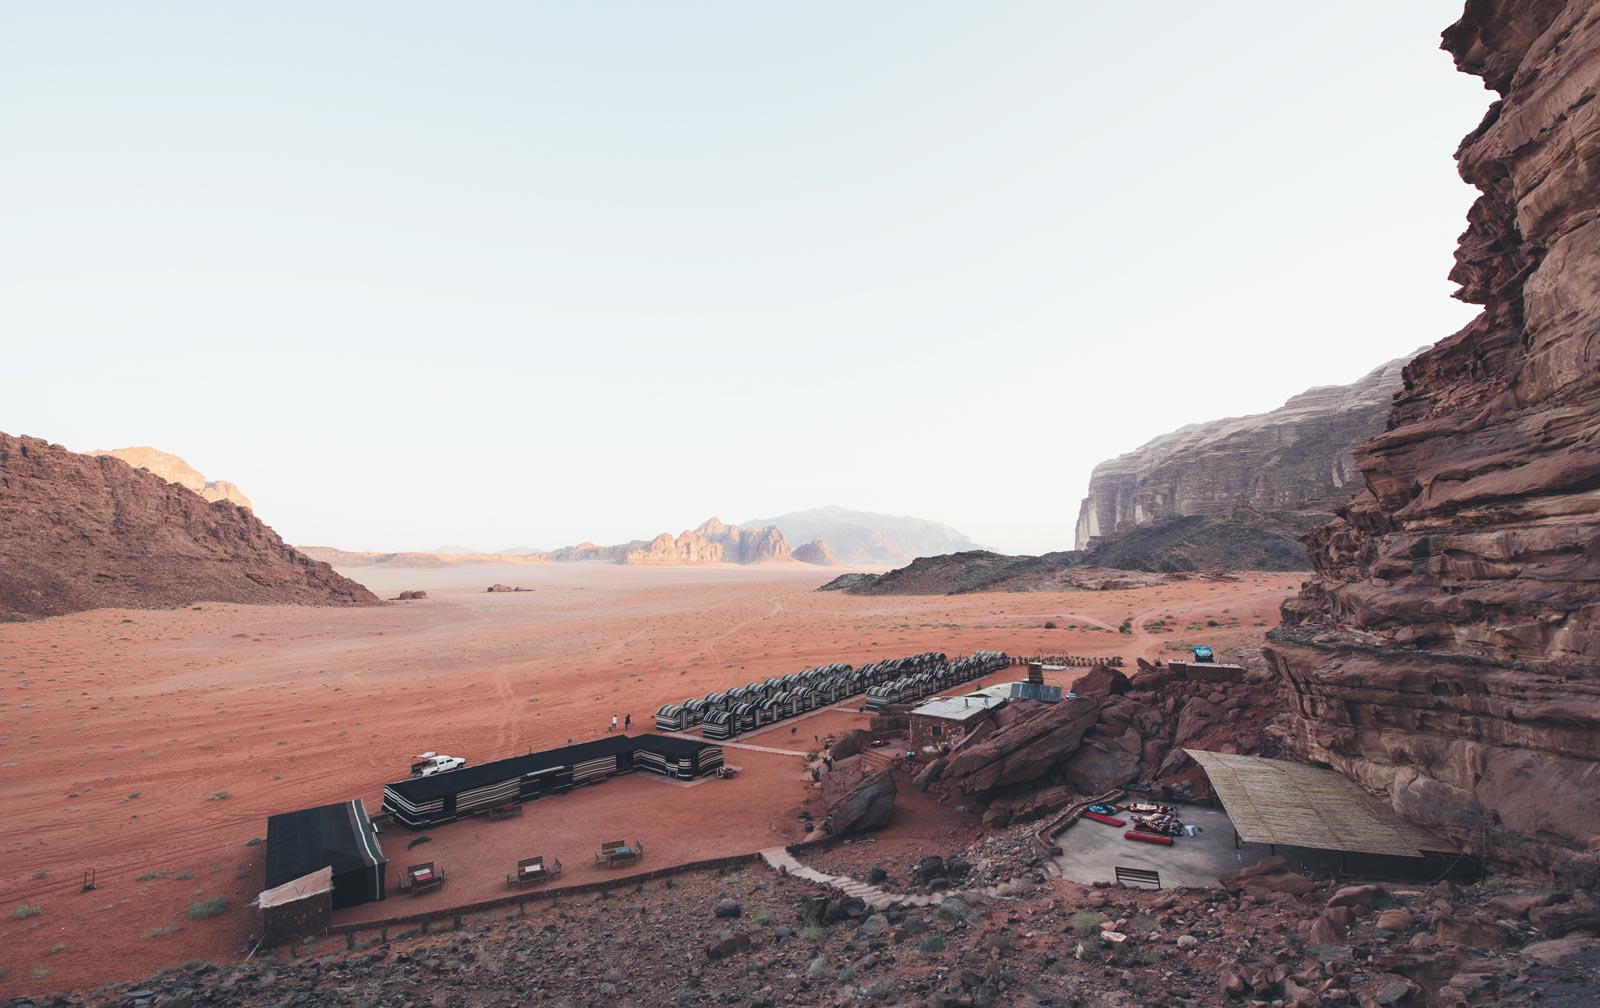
x=945 y=720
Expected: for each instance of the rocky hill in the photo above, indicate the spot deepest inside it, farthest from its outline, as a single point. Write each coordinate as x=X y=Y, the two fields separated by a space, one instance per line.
x=1448 y=650
x=816 y=552
x=983 y=571
x=1294 y=460
x=714 y=542
x=90 y=531
x=862 y=538
x=175 y=470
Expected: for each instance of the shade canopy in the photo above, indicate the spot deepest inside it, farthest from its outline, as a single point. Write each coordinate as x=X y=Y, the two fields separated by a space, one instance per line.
x=1293 y=805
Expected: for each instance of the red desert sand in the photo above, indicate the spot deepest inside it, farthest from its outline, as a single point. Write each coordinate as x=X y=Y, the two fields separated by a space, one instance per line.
x=151 y=746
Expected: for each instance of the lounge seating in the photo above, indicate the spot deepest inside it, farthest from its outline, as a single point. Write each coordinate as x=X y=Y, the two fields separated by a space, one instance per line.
x=421 y=878
x=615 y=852
x=531 y=871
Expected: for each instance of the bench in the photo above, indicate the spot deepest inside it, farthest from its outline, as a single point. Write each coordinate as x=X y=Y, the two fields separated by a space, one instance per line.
x=616 y=852
x=421 y=878
x=1138 y=876
x=505 y=811
x=533 y=870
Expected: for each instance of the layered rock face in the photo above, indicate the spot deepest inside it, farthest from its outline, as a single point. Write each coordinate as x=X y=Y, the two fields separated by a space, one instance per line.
x=1448 y=649
x=86 y=532
x=175 y=470
x=1294 y=459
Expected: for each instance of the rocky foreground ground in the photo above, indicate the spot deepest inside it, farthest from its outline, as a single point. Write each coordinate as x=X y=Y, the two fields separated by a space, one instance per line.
x=752 y=937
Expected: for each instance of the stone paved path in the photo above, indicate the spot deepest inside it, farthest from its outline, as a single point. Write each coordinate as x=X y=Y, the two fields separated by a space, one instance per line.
x=729 y=744
x=780 y=859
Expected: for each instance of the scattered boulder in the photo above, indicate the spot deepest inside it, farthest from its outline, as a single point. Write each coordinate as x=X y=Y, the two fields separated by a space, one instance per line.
x=499 y=588
x=728 y=946
x=1396 y=920
x=850 y=743
x=408 y=596
x=1271 y=875
x=1101 y=680
x=867 y=806
x=728 y=908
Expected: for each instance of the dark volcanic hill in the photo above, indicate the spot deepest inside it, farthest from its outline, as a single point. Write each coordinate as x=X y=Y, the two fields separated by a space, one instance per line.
x=1292 y=464
x=85 y=532
x=1448 y=650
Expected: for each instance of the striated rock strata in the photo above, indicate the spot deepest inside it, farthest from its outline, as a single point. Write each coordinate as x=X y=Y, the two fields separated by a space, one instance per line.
x=1448 y=649
x=175 y=470
x=1293 y=460
x=86 y=532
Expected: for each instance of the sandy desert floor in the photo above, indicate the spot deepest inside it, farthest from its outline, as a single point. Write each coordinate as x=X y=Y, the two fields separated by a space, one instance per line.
x=152 y=745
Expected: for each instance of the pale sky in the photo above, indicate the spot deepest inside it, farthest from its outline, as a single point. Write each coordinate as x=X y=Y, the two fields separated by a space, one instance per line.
x=513 y=274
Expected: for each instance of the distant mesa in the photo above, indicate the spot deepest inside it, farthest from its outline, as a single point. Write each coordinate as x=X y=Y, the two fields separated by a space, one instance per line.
x=867 y=539
x=82 y=532
x=175 y=470
x=348 y=558
x=1292 y=466
x=410 y=596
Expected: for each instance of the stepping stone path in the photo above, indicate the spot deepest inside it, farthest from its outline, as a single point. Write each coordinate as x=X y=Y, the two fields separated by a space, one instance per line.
x=873 y=896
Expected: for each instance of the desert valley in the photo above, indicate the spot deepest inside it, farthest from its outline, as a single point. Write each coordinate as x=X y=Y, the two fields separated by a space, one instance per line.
x=1308 y=714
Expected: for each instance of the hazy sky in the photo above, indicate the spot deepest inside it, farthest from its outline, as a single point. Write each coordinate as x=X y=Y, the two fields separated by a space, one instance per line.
x=524 y=274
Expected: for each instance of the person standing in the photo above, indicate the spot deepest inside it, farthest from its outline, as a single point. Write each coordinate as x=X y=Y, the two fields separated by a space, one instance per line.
x=613 y=722
x=627 y=723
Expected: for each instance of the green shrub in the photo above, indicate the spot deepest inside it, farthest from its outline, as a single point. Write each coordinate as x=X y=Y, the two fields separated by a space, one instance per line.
x=1050 y=624
x=208 y=908
x=26 y=910
x=150 y=875
x=931 y=943
x=1086 y=922
x=817 y=968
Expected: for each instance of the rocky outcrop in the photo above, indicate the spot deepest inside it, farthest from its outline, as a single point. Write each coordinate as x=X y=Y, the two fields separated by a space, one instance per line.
x=867 y=806
x=1116 y=730
x=1293 y=461
x=816 y=552
x=1448 y=650
x=175 y=470
x=982 y=571
x=87 y=532
x=870 y=540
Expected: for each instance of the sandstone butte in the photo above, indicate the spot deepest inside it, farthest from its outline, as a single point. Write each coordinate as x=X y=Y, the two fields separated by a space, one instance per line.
x=86 y=532
x=1447 y=650
x=175 y=470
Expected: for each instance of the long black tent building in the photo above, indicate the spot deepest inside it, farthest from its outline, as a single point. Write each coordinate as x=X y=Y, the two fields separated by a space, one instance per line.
x=338 y=836
x=442 y=798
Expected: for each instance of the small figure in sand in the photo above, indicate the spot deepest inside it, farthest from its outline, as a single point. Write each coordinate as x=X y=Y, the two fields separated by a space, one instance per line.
x=613 y=722
x=627 y=722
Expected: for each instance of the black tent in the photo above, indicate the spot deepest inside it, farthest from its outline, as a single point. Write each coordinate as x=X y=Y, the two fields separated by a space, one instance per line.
x=340 y=837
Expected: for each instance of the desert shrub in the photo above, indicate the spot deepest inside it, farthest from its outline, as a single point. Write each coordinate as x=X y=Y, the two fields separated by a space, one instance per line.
x=185 y=874
x=26 y=910
x=931 y=943
x=1127 y=626
x=208 y=908
x=817 y=968
x=1086 y=922
x=150 y=875
x=1049 y=624
x=1000 y=940
x=162 y=931
x=761 y=919
x=219 y=796
x=254 y=842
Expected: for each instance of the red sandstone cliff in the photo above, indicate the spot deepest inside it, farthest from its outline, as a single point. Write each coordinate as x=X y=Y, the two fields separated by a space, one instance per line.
x=1448 y=649
x=85 y=532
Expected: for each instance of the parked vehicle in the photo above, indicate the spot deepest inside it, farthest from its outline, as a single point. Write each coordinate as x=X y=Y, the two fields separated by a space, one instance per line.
x=429 y=763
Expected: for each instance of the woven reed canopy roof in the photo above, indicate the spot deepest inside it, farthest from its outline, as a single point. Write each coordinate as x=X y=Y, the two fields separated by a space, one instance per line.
x=1277 y=802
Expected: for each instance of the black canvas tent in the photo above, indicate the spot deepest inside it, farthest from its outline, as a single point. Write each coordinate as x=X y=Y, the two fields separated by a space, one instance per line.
x=427 y=801
x=340 y=837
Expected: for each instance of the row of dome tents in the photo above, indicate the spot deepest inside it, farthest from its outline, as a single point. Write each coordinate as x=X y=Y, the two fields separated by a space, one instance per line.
x=745 y=708
x=909 y=684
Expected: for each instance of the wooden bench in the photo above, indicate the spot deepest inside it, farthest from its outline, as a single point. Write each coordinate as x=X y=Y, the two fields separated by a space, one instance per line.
x=1138 y=876
x=533 y=870
x=505 y=811
x=421 y=878
x=615 y=852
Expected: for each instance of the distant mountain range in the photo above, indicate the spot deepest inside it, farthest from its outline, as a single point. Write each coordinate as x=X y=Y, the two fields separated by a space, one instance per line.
x=865 y=539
